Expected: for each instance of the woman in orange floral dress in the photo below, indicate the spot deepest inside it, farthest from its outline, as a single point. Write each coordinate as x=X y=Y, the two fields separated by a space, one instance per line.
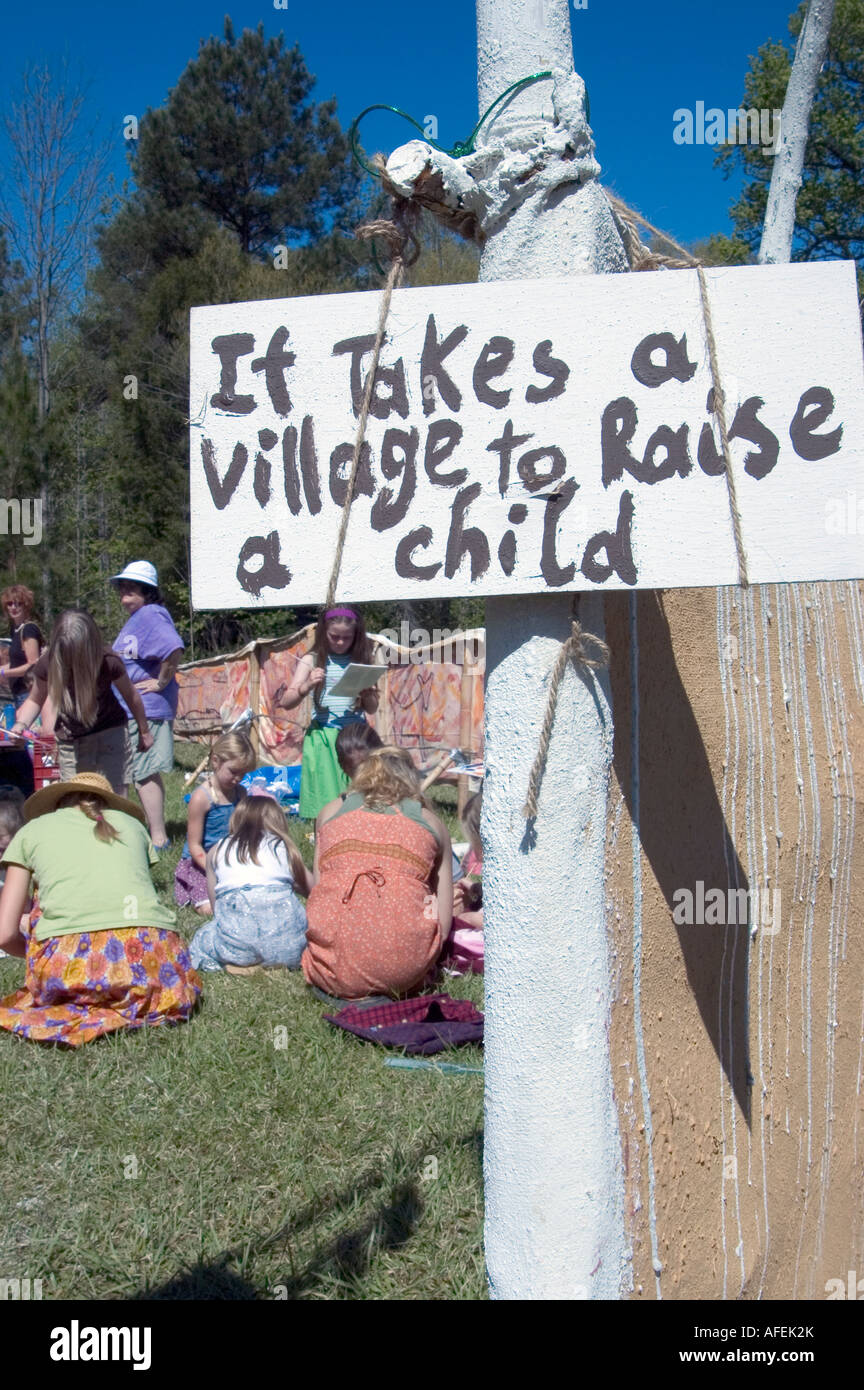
x=102 y=954
x=383 y=896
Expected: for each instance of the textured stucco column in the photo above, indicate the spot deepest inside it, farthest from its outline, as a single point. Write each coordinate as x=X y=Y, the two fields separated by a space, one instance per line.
x=553 y=1172
x=554 y=1184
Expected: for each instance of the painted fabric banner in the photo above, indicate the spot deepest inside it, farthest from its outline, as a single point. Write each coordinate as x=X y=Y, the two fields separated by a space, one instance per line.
x=212 y=694
x=527 y=436
x=427 y=703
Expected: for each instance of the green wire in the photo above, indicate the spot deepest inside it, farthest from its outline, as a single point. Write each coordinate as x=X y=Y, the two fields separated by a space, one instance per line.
x=461 y=148
x=380 y=106
x=468 y=147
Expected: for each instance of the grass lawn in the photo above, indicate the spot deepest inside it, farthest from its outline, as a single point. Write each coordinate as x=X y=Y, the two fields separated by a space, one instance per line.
x=253 y=1153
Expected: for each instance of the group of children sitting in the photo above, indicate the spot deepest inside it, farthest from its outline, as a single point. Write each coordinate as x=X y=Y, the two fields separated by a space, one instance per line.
x=102 y=952
x=386 y=902
x=241 y=868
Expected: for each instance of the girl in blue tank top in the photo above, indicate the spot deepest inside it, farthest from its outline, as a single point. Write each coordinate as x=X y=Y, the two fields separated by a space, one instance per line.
x=210 y=808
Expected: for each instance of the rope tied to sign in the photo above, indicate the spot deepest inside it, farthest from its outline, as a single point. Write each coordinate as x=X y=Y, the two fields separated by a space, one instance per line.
x=399 y=237
x=719 y=407
x=576 y=646
x=642 y=259
x=575 y=649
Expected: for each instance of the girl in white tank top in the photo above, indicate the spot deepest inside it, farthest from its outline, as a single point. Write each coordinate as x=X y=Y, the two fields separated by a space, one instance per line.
x=253 y=877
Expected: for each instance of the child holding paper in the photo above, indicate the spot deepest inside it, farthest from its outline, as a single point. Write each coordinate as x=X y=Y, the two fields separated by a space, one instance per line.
x=340 y=640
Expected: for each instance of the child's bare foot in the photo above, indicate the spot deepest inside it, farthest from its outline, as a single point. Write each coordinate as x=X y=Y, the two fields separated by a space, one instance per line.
x=243 y=969
x=204 y=909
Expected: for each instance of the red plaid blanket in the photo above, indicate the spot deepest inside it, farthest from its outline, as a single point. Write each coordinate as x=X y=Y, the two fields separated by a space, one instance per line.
x=427 y=1024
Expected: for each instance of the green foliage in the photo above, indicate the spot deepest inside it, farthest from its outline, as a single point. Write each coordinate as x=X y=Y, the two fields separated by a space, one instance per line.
x=722 y=250
x=243 y=191
x=830 y=208
x=445 y=259
x=19 y=456
x=14 y=311
x=239 y=140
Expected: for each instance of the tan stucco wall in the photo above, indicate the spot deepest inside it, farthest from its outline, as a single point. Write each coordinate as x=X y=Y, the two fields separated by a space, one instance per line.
x=750 y=714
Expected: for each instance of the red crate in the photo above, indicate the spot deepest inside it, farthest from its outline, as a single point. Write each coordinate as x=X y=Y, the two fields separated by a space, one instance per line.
x=45 y=767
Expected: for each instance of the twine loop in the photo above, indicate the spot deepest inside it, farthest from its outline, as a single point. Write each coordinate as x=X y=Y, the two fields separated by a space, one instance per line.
x=577 y=648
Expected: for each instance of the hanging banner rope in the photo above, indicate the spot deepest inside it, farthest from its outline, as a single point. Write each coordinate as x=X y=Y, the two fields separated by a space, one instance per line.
x=404 y=250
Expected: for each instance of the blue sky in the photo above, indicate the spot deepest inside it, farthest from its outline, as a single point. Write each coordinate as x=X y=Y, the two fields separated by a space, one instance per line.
x=640 y=63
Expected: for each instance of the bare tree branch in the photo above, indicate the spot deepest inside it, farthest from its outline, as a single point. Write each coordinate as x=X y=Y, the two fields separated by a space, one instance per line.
x=789 y=160
x=57 y=170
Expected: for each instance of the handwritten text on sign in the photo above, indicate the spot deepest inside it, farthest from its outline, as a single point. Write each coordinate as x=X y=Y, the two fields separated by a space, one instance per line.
x=526 y=436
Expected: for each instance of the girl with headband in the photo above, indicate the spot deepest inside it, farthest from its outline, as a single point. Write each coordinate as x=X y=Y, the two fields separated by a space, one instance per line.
x=340 y=639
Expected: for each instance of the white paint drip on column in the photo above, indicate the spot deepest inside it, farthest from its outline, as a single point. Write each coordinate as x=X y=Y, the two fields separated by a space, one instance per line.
x=849 y=596
x=756 y=873
x=798 y=626
x=855 y=628
x=725 y=1029
x=802 y=621
x=637 y=938
x=723 y=646
x=769 y=616
x=822 y=622
x=855 y=634
x=788 y=678
x=763 y=695
x=844 y=888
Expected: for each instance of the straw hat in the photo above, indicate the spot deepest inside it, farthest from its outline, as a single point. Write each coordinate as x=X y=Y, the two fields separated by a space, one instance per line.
x=46 y=800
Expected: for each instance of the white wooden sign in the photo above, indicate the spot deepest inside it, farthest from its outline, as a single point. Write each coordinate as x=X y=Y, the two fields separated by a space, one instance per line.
x=528 y=436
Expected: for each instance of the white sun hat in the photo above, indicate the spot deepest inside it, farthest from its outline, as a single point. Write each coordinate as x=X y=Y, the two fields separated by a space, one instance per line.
x=139 y=572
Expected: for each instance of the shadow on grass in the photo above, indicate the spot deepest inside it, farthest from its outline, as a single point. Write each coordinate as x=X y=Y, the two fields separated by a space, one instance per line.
x=344 y=1258
x=202 y=1282
x=348 y=1257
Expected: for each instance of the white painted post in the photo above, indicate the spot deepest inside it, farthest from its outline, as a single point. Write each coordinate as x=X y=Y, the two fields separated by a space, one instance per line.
x=553 y=1172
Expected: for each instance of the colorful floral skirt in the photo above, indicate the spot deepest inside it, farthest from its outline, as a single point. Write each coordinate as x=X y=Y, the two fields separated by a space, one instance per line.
x=85 y=984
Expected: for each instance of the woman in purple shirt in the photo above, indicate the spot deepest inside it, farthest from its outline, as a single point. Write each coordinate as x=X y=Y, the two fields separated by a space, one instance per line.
x=150 y=647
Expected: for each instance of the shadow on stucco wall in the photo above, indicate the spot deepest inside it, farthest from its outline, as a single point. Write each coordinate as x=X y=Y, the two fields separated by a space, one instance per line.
x=682 y=829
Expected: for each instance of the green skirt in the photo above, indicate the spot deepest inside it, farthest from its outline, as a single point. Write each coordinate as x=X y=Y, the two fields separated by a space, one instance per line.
x=322 y=779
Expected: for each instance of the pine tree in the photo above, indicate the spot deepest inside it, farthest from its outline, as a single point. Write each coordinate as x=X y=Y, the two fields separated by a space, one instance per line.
x=242 y=185
x=239 y=140
x=243 y=191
